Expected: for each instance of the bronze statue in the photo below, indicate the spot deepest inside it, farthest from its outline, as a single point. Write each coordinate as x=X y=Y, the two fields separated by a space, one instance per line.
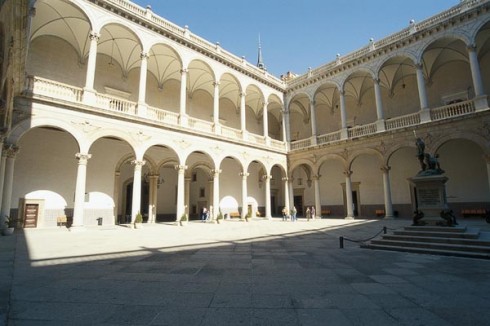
x=429 y=164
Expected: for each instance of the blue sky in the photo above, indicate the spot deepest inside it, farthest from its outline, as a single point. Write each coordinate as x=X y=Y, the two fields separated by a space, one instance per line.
x=295 y=34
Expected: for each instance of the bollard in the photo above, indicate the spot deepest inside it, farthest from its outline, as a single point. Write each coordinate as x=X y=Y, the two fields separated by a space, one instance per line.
x=341 y=240
x=384 y=229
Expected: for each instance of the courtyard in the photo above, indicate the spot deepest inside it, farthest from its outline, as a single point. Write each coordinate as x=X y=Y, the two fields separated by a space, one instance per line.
x=235 y=273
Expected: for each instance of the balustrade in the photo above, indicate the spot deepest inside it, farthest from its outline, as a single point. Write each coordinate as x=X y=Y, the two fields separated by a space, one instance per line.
x=37 y=86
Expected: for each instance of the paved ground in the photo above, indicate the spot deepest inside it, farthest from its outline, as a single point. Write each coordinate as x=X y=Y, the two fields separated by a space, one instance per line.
x=235 y=273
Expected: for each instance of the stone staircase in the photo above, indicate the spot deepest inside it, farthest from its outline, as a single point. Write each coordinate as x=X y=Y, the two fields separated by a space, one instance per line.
x=437 y=240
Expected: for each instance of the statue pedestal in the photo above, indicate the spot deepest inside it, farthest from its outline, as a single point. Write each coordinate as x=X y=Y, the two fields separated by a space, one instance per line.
x=429 y=198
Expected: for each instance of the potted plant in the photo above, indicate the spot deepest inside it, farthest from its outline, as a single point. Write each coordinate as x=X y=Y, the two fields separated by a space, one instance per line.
x=184 y=219
x=138 y=221
x=9 y=226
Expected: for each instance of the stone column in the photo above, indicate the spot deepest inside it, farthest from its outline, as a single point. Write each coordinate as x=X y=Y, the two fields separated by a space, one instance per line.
x=243 y=115
x=187 y=191
x=387 y=192
x=88 y=90
x=480 y=100
x=217 y=127
x=348 y=195
x=79 y=205
x=215 y=174
x=183 y=98
x=286 y=191
x=11 y=151
x=3 y=161
x=136 y=204
x=244 y=176
x=152 y=205
x=117 y=186
x=267 y=179
x=379 y=105
x=265 y=121
x=181 y=209
x=475 y=70
x=318 y=204
x=343 y=115
x=142 y=107
x=291 y=192
x=286 y=132
x=313 y=122
x=424 y=106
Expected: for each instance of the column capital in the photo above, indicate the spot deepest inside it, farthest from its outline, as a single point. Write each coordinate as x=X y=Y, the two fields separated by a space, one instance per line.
x=244 y=174
x=419 y=66
x=144 y=55
x=83 y=158
x=243 y=94
x=341 y=92
x=215 y=173
x=266 y=177
x=348 y=173
x=385 y=168
x=94 y=36
x=138 y=163
x=376 y=80
x=285 y=179
x=471 y=47
x=313 y=102
x=184 y=71
x=180 y=168
x=316 y=177
x=10 y=150
x=216 y=84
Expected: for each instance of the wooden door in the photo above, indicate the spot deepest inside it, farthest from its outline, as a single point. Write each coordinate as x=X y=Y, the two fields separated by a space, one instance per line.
x=30 y=218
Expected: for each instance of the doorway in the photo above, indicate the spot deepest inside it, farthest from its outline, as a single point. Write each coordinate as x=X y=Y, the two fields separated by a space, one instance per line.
x=30 y=216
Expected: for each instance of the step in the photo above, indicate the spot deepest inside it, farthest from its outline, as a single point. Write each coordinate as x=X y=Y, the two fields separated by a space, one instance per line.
x=478 y=255
x=455 y=229
x=457 y=241
x=434 y=234
x=433 y=246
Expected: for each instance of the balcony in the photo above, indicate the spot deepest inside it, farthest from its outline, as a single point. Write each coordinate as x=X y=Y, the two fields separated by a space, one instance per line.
x=410 y=120
x=38 y=87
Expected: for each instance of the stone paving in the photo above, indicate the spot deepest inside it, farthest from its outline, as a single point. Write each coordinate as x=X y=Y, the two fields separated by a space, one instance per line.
x=235 y=273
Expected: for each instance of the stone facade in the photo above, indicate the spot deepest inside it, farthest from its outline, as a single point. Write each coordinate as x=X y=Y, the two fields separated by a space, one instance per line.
x=98 y=94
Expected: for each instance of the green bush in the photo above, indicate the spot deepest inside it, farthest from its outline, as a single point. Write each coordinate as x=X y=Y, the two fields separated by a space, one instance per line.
x=139 y=218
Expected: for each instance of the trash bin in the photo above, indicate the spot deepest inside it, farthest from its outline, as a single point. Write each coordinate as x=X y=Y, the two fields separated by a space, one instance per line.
x=99 y=221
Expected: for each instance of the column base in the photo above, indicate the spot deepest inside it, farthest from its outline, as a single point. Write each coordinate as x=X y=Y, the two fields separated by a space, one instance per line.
x=425 y=115
x=380 y=125
x=89 y=97
x=388 y=217
x=349 y=218
x=481 y=103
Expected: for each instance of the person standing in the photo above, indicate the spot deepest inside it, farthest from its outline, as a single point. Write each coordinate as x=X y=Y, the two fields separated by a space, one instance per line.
x=308 y=214
x=293 y=214
x=313 y=212
x=204 y=214
x=285 y=212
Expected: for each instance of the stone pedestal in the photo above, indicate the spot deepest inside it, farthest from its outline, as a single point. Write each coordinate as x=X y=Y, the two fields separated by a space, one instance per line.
x=429 y=198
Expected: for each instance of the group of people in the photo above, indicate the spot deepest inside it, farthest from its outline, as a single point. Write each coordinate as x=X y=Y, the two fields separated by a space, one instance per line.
x=288 y=214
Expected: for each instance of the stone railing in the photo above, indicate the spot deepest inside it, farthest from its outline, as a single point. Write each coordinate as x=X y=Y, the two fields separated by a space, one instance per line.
x=231 y=132
x=114 y=104
x=329 y=138
x=37 y=86
x=49 y=88
x=403 y=121
x=453 y=110
x=299 y=144
x=168 y=117
x=359 y=131
x=200 y=125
